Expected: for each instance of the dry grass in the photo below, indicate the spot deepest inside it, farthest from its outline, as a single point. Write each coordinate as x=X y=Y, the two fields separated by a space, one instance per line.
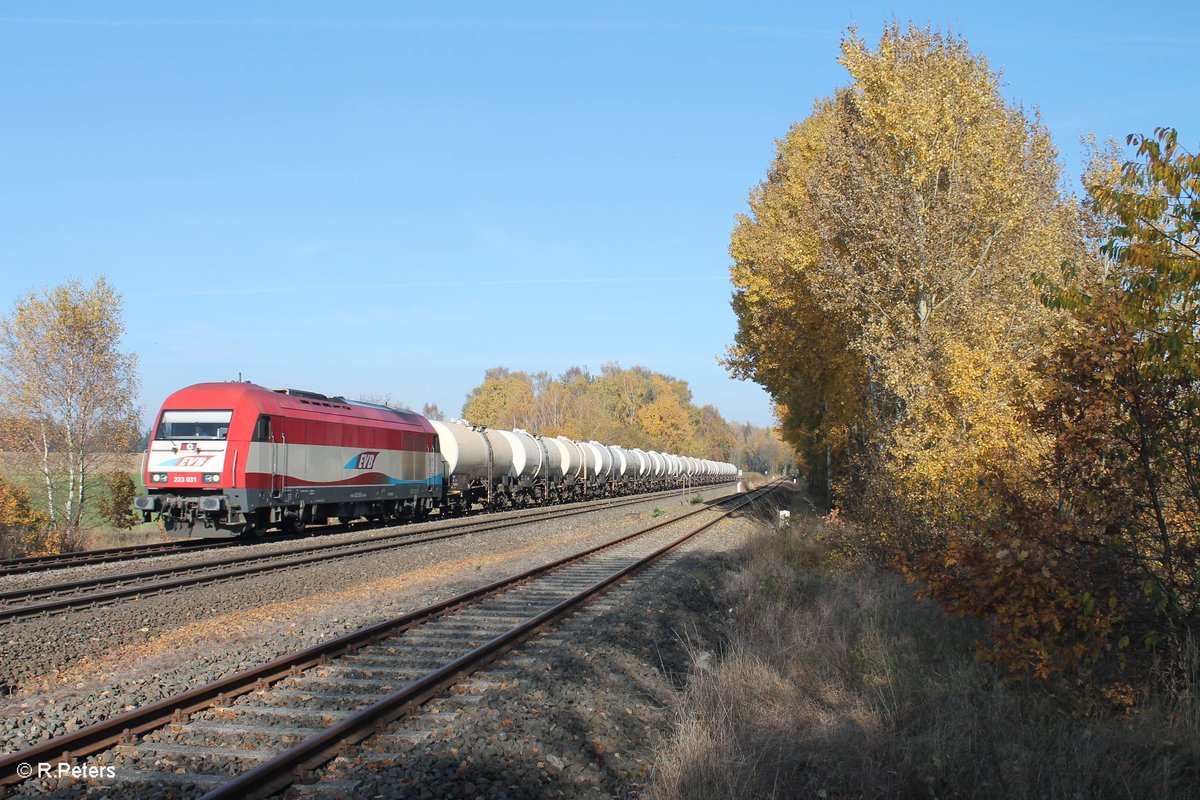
x=836 y=683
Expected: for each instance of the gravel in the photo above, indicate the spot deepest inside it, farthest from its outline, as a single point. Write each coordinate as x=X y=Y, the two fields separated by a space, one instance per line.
x=268 y=546
x=72 y=670
x=575 y=713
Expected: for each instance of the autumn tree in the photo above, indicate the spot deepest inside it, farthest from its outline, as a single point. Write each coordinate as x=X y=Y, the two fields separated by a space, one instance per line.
x=625 y=390
x=23 y=528
x=714 y=436
x=503 y=400
x=667 y=422
x=787 y=341
x=760 y=449
x=116 y=504
x=68 y=389
x=633 y=407
x=384 y=399
x=1097 y=561
x=883 y=279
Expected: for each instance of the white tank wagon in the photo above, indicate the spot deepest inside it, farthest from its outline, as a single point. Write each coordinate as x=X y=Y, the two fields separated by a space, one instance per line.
x=526 y=455
x=474 y=461
x=600 y=461
x=553 y=471
x=624 y=463
x=464 y=449
x=493 y=468
x=502 y=453
x=590 y=461
x=643 y=462
x=570 y=456
x=672 y=465
x=627 y=470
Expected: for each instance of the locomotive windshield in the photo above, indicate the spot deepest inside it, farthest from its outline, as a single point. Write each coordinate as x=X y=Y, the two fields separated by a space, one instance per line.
x=194 y=425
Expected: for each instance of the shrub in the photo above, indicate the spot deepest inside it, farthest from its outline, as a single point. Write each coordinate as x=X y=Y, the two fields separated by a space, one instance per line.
x=23 y=529
x=117 y=506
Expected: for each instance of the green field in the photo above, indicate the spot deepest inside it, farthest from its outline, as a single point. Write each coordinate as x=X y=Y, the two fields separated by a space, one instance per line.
x=21 y=470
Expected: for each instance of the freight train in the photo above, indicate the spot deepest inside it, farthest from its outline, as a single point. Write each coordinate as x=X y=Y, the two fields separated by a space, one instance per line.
x=237 y=459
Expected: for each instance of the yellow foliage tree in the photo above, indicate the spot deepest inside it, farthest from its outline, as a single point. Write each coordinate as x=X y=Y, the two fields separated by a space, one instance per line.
x=22 y=528
x=68 y=389
x=633 y=407
x=503 y=400
x=667 y=422
x=1095 y=564
x=883 y=279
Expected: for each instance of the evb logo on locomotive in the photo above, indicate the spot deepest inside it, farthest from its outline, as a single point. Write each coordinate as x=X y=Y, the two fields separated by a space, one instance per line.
x=363 y=460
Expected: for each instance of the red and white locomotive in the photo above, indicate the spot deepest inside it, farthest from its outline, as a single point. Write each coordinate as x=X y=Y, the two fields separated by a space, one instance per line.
x=230 y=459
x=234 y=458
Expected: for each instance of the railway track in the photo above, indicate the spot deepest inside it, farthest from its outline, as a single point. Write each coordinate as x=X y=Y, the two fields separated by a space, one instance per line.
x=110 y=555
x=37 y=601
x=252 y=733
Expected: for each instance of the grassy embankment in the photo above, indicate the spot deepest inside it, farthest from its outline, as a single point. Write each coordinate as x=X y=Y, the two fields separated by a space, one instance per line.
x=21 y=470
x=836 y=683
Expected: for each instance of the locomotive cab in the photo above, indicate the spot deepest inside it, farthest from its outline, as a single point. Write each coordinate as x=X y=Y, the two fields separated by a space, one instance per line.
x=185 y=469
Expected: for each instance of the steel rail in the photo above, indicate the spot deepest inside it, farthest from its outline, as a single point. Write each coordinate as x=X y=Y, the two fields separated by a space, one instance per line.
x=125 y=727
x=277 y=772
x=108 y=555
x=216 y=571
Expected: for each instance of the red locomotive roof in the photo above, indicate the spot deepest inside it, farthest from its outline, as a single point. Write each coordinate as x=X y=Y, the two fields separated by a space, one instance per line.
x=249 y=397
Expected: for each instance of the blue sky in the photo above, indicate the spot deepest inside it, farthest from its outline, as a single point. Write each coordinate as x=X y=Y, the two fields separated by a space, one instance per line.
x=392 y=197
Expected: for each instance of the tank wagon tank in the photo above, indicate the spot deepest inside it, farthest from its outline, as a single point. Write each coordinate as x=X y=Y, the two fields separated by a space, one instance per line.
x=230 y=459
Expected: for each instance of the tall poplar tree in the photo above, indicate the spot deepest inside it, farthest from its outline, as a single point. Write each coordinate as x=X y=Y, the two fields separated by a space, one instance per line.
x=883 y=277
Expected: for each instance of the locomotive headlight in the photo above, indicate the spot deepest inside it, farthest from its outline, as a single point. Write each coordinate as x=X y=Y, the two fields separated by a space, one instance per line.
x=158 y=477
x=212 y=477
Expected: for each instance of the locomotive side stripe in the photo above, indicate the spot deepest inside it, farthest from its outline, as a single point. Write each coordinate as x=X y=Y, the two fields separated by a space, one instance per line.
x=262 y=480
